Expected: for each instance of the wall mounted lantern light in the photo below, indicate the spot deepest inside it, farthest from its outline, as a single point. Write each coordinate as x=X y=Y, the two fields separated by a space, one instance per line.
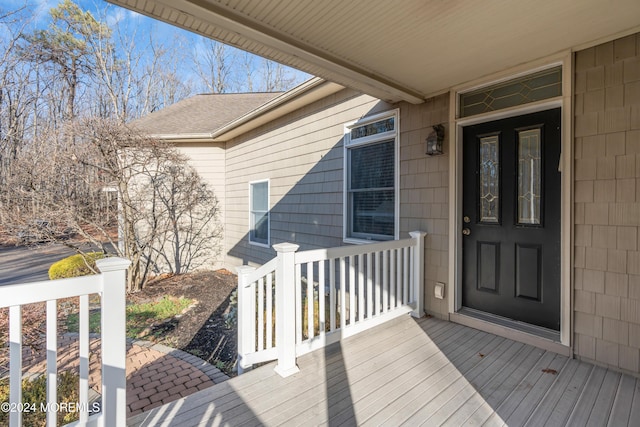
x=435 y=140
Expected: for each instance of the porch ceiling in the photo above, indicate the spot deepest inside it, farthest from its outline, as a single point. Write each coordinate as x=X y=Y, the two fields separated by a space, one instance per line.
x=400 y=50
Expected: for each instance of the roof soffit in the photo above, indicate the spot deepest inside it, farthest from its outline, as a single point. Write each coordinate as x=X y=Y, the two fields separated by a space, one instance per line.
x=407 y=50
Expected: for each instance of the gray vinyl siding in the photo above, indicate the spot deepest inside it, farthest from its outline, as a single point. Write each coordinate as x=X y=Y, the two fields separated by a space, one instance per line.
x=302 y=156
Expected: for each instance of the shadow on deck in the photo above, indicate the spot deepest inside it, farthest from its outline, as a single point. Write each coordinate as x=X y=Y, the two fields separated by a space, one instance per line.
x=416 y=371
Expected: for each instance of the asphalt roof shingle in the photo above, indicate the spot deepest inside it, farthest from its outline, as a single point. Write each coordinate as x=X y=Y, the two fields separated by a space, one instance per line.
x=201 y=114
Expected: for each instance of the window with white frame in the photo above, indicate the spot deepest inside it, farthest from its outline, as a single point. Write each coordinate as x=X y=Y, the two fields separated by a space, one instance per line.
x=259 y=212
x=371 y=178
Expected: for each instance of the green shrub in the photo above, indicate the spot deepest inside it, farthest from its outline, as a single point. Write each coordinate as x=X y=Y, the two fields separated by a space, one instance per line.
x=75 y=265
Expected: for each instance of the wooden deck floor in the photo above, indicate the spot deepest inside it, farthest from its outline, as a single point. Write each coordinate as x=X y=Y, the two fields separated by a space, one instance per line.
x=416 y=372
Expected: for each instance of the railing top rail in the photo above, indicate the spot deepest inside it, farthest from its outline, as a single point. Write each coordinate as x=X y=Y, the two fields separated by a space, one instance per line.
x=344 y=251
x=47 y=290
x=262 y=271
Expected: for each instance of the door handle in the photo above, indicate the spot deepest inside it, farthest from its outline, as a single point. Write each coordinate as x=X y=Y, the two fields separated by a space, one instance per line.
x=466 y=231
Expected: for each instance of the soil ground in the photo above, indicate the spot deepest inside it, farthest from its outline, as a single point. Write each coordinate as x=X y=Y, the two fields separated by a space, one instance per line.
x=202 y=330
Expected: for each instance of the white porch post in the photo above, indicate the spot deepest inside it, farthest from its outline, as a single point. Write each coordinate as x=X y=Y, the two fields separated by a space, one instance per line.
x=418 y=272
x=114 y=351
x=246 y=316
x=286 y=309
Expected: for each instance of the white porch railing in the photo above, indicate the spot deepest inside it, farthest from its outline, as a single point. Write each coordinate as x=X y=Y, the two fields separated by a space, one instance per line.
x=110 y=284
x=302 y=301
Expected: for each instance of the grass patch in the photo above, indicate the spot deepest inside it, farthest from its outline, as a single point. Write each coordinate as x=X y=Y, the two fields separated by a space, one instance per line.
x=140 y=317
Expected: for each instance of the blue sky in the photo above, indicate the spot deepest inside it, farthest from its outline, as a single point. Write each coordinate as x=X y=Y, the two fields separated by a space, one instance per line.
x=133 y=23
x=115 y=15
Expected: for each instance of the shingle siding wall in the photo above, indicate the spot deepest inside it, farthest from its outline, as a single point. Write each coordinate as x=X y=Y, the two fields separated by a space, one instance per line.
x=302 y=156
x=607 y=204
x=209 y=160
x=424 y=192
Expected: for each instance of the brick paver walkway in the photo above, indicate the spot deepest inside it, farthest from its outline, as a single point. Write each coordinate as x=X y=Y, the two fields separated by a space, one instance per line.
x=156 y=374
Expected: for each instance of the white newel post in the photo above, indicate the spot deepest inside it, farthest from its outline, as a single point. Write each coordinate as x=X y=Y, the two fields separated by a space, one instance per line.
x=114 y=351
x=246 y=316
x=286 y=309
x=418 y=272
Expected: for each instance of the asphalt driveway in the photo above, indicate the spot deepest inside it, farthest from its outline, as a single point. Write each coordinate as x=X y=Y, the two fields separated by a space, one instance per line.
x=25 y=264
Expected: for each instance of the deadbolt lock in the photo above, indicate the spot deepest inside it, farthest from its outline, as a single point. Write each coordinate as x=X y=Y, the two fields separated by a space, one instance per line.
x=466 y=220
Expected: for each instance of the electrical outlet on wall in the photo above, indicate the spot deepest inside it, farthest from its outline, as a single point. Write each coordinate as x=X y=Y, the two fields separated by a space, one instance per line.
x=439 y=290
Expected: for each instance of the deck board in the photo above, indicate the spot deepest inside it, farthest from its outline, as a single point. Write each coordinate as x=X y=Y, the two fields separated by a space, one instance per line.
x=584 y=406
x=635 y=406
x=621 y=410
x=455 y=397
x=424 y=392
x=415 y=372
x=604 y=402
x=406 y=379
x=549 y=403
x=495 y=394
x=570 y=395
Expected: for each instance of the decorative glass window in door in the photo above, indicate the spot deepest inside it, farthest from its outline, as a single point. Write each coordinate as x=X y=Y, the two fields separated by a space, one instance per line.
x=529 y=176
x=490 y=179
x=545 y=84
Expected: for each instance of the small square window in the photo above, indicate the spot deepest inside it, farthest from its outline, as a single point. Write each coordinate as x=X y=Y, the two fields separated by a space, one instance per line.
x=259 y=213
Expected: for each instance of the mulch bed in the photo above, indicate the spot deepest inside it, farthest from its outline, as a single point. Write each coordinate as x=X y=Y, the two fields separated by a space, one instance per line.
x=202 y=330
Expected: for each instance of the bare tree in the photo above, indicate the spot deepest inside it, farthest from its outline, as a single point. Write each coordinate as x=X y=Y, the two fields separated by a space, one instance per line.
x=166 y=218
x=185 y=212
x=272 y=76
x=16 y=99
x=248 y=69
x=163 y=81
x=215 y=63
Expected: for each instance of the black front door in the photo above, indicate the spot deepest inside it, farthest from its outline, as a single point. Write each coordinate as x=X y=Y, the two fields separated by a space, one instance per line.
x=511 y=218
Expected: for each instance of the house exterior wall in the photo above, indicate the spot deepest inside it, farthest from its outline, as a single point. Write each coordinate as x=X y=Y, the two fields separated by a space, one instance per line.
x=606 y=292
x=424 y=192
x=209 y=160
x=301 y=154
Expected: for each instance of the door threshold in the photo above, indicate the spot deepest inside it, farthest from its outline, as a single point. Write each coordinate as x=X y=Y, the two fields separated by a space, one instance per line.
x=537 y=336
